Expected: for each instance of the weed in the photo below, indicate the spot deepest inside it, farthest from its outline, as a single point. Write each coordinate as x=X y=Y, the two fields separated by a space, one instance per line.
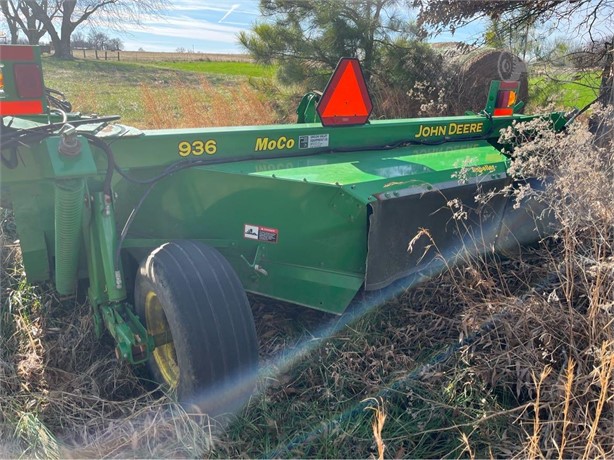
x=379 y=418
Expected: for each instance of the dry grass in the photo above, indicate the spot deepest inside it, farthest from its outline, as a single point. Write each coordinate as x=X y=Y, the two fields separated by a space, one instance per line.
x=556 y=346
x=208 y=106
x=64 y=395
x=379 y=419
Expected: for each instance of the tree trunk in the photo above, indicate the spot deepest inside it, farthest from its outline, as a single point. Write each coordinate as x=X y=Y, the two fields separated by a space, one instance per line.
x=61 y=45
x=33 y=37
x=63 y=49
x=30 y=25
x=603 y=126
x=13 y=29
x=606 y=91
x=14 y=32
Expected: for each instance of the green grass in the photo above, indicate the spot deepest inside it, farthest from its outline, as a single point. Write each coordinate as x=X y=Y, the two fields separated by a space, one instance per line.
x=565 y=89
x=242 y=69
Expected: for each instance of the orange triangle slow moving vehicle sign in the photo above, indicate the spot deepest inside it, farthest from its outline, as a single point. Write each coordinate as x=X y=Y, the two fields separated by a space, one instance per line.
x=346 y=100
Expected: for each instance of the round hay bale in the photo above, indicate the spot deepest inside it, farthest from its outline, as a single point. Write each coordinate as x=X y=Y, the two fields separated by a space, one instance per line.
x=477 y=68
x=450 y=79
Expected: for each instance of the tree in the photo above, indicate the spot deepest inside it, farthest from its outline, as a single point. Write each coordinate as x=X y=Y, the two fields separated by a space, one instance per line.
x=97 y=40
x=308 y=37
x=502 y=35
x=588 y=15
x=20 y=17
x=60 y=18
x=78 y=40
x=115 y=44
x=10 y=20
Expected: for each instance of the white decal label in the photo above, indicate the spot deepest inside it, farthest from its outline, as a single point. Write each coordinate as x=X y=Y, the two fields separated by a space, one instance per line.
x=256 y=232
x=312 y=142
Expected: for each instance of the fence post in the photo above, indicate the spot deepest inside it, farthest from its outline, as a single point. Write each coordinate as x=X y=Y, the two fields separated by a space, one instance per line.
x=118 y=55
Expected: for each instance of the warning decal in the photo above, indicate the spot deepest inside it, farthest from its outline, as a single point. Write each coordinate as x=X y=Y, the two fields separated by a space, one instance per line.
x=312 y=142
x=255 y=232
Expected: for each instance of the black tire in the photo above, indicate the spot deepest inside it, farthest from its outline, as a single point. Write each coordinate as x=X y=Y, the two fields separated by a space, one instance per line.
x=190 y=290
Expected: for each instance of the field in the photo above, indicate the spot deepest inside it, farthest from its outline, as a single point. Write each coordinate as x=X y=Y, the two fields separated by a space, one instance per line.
x=120 y=85
x=497 y=357
x=141 y=92
x=246 y=69
x=148 y=56
x=565 y=89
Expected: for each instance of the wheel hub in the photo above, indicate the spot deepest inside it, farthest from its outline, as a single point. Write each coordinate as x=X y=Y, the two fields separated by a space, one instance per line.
x=164 y=355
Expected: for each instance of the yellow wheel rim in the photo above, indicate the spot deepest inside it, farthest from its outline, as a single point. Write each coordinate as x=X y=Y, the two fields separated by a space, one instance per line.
x=164 y=355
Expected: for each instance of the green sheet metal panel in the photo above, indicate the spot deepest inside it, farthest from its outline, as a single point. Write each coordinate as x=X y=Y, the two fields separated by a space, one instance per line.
x=365 y=174
x=283 y=142
x=310 y=186
x=315 y=211
x=33 y=211
x=312 y=255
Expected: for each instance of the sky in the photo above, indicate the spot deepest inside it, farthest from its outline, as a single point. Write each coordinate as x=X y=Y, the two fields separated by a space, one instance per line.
x=211 y=26
x=196 y=25
x=207 y=26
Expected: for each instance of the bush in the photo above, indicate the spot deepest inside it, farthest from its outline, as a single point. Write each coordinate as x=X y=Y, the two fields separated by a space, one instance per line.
x=398 y=89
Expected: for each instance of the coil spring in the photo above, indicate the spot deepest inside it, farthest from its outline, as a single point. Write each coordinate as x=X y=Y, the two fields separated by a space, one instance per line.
x=69 y=195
